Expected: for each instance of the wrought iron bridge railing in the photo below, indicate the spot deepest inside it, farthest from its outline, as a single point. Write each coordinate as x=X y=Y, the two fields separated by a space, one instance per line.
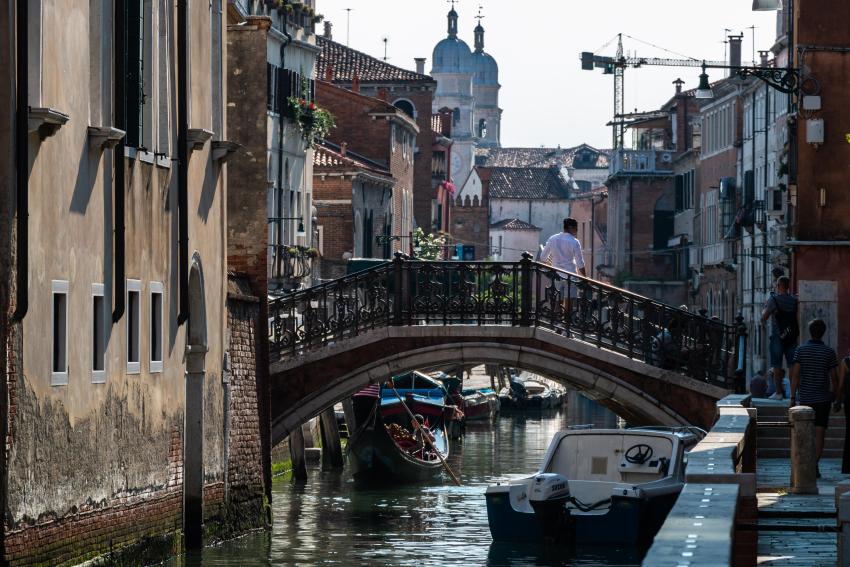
x=525 y=293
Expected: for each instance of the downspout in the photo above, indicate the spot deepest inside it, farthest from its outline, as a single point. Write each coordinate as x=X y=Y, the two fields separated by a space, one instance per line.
x=592 y=235
x=280 y=106
x=631 y=228
x=119 y=267
x=22 y=162
x=183 y=158
x=764 y=201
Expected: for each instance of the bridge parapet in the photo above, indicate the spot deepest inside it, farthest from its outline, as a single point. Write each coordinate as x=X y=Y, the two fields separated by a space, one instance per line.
x=408 y=292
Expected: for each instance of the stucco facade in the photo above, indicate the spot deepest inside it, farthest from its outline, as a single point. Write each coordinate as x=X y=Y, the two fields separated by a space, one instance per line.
x=113 y=403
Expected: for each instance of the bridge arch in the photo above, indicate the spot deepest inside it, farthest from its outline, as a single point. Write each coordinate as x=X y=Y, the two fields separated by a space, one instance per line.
x=305 y=385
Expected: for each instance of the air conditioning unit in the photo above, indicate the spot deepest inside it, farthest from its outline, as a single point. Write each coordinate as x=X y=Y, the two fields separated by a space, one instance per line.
x=666 y=157
x=775 y=201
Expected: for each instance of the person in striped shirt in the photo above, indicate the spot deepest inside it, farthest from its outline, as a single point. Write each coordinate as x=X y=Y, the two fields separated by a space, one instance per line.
x=814 y=369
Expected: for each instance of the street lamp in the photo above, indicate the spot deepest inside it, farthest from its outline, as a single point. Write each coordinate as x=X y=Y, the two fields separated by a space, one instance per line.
x=300 y=220
x=784 y=80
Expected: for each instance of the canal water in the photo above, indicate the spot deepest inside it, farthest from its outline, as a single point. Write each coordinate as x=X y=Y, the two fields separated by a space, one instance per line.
x=328 y=520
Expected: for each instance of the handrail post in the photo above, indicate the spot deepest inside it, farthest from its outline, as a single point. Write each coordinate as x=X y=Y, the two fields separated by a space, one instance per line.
x=740 y=355
x=525 y=290
x=398 y=281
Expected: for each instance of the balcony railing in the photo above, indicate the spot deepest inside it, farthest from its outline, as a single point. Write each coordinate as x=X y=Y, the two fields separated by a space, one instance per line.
x=638 y=162
x=719 y=253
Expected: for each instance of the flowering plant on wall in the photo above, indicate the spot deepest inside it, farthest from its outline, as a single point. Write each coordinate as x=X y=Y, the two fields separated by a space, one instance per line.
x=313 y=121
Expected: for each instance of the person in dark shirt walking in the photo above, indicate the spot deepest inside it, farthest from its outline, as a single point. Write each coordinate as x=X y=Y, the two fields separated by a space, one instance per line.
x=781 y=309
x=814 y=369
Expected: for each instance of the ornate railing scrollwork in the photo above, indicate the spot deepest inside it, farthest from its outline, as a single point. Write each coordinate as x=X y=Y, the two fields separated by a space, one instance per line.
x=414 y=292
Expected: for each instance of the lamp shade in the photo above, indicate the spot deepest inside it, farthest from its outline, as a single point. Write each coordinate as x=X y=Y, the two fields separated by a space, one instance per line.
x=704 y=89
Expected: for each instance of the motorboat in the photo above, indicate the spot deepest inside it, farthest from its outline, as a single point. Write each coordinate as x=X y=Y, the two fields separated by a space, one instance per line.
x=530 y=394
x=595 y=486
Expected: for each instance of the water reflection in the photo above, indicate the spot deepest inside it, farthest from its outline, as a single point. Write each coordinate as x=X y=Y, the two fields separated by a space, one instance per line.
x=327 y=520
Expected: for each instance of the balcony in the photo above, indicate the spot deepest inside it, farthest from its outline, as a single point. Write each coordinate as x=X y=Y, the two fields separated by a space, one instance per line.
x=719 y=253
x=641 y=162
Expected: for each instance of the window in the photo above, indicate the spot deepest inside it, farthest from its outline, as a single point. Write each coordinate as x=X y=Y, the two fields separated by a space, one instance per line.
x=98 y=335
x=482 y=128
x=134 y=292
x=405 y=106
x=138 y=47
x=392 y=138
x=156 y=327
x=456 y=116
x=59 y=316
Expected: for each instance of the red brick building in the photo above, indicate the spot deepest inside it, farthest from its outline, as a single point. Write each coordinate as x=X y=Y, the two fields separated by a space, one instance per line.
x=352 y=199
x=819 y=201
x=410 y=91
x=384 y=135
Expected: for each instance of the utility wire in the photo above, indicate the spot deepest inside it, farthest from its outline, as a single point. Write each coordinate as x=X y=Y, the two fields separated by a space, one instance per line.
x=661 y=48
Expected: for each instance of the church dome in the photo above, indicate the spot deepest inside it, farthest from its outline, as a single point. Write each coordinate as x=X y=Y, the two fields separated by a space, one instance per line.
x=485 y=68
x=451 y=55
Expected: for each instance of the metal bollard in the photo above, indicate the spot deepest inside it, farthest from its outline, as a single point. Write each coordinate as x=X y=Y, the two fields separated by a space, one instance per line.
x=844 y=530
x=803 y=458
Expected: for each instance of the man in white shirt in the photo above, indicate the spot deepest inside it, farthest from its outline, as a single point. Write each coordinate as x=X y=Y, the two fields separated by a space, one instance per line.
x=563 y=250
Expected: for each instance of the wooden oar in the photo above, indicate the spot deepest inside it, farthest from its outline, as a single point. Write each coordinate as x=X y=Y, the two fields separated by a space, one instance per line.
x=425 y=436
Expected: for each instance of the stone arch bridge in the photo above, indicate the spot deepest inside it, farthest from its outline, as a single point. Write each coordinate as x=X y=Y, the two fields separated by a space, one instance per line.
x=649 y=362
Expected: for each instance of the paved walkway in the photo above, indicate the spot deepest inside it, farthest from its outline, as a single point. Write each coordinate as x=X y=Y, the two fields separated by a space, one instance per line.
x=787 y=545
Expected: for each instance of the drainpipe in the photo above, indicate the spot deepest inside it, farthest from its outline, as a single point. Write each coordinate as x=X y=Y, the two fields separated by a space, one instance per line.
x=592 y=235
x=22 y=162
x=631 y=228
x=280 y=106
x=118 y=266
x=183 y=158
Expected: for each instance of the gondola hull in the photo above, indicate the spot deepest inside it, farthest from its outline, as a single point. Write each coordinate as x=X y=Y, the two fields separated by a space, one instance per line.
x=376 y=458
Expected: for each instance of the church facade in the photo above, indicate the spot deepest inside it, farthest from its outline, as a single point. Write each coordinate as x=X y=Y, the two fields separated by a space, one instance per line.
x=468 y=84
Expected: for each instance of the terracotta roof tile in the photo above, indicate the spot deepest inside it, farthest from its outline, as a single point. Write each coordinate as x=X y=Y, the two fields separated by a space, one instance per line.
x=527 y=183
x=328 y=156
x=513 y=224
x=543 y=157
x=346 y=63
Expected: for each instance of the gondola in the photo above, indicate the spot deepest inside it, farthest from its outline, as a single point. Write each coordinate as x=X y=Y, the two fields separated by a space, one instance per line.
x=385 y=446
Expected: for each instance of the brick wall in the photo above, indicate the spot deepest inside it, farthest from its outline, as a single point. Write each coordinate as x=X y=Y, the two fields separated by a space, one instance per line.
x=247 y=170
x=247 y=214
x=371 y=137
x=471 y=225
x=245 y=466
x=338 y=234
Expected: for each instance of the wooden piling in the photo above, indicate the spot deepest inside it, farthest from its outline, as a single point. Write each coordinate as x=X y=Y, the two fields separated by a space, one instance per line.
x=331 y=447
x=296 y=451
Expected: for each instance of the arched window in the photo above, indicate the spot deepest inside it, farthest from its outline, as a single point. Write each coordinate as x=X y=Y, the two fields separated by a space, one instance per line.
x=482 y=128
x=455 y=116
x=406 y=106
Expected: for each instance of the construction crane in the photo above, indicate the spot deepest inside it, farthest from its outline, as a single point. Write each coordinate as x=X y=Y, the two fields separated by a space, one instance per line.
x=617 y=65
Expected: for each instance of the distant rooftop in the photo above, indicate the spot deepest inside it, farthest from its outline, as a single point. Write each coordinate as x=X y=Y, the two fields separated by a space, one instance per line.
x=513 y=224
x=527 y=183
x=580 y=157
x=346 y=64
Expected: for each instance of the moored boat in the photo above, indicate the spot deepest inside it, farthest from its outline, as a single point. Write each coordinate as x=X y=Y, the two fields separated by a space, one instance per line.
x=386 y=445
x=530 y=394
x=605 y=486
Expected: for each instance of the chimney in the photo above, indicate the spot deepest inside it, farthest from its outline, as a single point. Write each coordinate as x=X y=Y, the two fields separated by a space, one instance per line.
x=420 y=65
x=343 y=148
x=735 y=50
x=763 y=55
x=329 y=30
x=355 y=82
x=678 y=83
x=329 y=72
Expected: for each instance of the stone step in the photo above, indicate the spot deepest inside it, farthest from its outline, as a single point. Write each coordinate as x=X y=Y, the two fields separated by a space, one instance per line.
x=828 y=453
x=785 y=433
x=779 y=443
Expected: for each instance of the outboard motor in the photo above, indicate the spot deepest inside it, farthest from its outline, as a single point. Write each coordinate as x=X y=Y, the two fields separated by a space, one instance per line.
x=549 y=495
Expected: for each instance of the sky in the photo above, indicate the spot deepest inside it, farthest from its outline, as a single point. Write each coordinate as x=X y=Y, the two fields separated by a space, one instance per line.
x=547 y=99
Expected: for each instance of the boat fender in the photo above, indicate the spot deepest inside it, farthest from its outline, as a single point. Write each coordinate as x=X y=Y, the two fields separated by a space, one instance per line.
x=549 y=486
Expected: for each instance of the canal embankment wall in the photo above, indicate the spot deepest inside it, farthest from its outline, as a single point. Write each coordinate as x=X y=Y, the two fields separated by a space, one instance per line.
x=707 y=524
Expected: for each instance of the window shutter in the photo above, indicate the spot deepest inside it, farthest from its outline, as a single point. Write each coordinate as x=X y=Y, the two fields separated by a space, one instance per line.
x=749 y=187
x=680 y=192
x=269 y=85
x=280 y=89
x=134 y=66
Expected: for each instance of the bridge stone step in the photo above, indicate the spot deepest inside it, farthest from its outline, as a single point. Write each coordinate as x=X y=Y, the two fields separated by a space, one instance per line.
x=779 y=443
x=786 y=453
x=779 y=432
